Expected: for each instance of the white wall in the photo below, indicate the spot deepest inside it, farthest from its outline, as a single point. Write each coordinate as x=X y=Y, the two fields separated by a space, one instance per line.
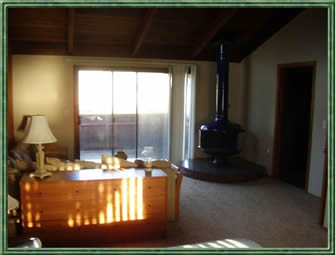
x=303 y=39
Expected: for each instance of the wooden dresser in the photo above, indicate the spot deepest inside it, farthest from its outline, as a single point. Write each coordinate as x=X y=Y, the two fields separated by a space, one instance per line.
x=90 y=206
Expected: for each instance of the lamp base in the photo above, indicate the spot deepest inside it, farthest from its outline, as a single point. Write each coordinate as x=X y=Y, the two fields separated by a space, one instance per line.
x=40 y=174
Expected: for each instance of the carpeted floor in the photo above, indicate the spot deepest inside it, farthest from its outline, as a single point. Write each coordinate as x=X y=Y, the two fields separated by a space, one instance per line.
x=267 y=211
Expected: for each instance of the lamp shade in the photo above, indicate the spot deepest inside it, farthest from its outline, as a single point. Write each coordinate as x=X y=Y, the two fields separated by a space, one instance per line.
x=38 y=131
x=12 y=203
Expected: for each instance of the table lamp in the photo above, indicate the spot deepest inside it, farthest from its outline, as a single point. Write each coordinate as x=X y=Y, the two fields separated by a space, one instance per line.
x=38 y=132
x=12 y=203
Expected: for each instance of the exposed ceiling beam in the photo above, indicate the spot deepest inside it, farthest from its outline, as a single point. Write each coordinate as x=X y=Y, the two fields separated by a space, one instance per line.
x=143 y=29
x=224 y=16
x=70 y=30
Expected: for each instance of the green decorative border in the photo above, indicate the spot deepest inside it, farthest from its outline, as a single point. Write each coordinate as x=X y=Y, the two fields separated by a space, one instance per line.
x=5 y=4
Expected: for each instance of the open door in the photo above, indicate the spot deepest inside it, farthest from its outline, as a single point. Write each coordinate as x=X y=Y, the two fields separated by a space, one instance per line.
x=293 y=123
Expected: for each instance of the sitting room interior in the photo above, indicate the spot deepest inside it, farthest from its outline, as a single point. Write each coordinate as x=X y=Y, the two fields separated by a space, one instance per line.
x=168 y=127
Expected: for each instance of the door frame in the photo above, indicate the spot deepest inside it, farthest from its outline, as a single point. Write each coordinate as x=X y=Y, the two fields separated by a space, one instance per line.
x=278 y=117
x=76 y=112
x=324 y=182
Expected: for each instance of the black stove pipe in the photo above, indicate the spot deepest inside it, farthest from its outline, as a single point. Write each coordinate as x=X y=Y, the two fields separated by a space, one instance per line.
x=220 y=137
x=222 y=86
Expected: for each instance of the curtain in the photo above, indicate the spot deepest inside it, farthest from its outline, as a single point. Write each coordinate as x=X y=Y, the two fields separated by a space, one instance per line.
x=189 y=112
x=183 y=84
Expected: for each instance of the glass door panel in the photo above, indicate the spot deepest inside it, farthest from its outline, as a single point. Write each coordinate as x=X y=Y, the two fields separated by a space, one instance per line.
x=153 y=113
x=124 y=113
x=95 y=113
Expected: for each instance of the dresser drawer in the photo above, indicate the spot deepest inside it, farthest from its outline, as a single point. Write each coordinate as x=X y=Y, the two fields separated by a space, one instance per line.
x=91 y=190
x=37 y=210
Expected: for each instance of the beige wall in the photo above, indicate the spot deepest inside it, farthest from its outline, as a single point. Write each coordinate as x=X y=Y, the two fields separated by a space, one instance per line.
x=44 y=85
x=303 y=39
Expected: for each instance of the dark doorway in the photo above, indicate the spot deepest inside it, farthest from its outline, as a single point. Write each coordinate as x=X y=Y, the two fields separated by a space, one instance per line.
x=293 y=122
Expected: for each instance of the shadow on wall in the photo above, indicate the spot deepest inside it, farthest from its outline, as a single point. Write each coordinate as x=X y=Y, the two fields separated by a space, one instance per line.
x=257 y=149
x=245 y=95
x=249 y=146
x=248 y=141
x=22 y=129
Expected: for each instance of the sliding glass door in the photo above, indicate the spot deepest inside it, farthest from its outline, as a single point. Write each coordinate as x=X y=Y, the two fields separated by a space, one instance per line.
x=95 y=96
x=124 y=114
x=153 y=113
x=123 y=111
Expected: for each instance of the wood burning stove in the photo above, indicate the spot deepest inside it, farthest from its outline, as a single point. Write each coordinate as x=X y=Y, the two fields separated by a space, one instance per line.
x=220 y=137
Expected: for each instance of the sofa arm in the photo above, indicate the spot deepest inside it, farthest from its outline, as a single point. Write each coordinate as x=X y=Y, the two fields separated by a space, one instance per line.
x=14 y=177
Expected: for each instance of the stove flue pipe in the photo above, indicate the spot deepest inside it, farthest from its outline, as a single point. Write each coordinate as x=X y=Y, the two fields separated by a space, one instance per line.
x=220 y=137
x=222 y=86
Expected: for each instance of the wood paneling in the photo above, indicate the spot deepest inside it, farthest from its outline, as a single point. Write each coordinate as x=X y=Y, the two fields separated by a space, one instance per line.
x=87 y=49
x=37 y=24
x=143 y=29
x=70 y=30
x=46 y=17
x=40 y=48
x=184 y=24
x=107 y=27
x=224 y=16
x=157 y=33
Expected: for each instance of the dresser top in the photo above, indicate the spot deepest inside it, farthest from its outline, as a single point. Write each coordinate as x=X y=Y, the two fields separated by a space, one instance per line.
x=96 y=174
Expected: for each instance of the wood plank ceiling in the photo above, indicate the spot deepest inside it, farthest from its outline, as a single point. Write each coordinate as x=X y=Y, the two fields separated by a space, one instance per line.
x=165 y=33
